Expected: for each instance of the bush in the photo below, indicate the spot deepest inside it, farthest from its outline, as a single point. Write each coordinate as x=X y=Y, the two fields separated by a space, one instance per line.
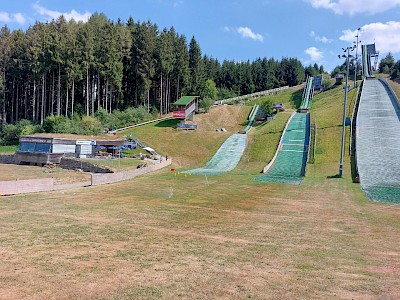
x=267 y=106
x=91 y=125
x=206 y=103
x=9 y=134
x=57 y=124
x=326 y=83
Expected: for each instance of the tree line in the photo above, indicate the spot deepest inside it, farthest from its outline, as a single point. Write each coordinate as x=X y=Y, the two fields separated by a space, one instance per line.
x=388 y=65
x=73 y=68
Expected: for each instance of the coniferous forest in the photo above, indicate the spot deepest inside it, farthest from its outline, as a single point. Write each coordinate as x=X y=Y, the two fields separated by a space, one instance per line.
x=70 y=70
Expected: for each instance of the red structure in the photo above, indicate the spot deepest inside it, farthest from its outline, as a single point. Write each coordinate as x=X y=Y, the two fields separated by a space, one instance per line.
x=185 y=107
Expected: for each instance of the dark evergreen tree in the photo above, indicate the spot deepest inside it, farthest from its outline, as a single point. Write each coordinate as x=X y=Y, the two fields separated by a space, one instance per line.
x=196 y=68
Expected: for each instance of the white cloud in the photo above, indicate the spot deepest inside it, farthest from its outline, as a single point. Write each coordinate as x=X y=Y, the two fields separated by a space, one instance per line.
x=385 y=35
x=4 y=17
x=318 y=38
x=323 y=39
x=226 y=29
x=246 y=32
x=314 y=53
x=353 y=7
x=177 y=3
x=52 y=14
x=15 y=18
x=19 y=18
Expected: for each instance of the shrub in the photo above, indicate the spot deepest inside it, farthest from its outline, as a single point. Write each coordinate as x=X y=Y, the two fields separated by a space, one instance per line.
x=57 y=124
x=10 y=134
x=326 y=83
x=91 y=125
x=267 y=106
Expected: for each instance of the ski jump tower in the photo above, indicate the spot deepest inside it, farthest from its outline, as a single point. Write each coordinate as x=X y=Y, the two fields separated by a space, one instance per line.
x=368 y=53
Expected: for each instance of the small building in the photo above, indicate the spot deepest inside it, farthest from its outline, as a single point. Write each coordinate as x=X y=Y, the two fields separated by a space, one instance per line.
x=317 y=83
x=278 y=107
x=339 y=78
x=185 y=109
x=50 y=148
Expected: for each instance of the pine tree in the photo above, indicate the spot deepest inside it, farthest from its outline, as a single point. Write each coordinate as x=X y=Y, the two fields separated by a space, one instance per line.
x=196 y=68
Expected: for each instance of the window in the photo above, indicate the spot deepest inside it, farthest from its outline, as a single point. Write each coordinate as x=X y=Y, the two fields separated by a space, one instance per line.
x=27 y=146
x=43 y=148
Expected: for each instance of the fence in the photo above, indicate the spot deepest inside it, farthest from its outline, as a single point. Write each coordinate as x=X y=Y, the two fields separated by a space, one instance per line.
x=262 y=93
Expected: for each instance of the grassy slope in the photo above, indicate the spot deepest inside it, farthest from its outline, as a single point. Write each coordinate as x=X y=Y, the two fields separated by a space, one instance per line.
x=327 y=112
x=167 y=236
x=194 y=148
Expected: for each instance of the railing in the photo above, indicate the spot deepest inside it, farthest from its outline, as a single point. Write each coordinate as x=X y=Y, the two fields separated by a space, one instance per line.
x=267 y=92
x=141 y=124
x=308 y=127
x=353 y=134
x=307 y=93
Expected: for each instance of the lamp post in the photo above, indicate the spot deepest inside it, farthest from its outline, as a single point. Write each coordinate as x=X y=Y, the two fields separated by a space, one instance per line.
x=347 y=56
x=355 y=67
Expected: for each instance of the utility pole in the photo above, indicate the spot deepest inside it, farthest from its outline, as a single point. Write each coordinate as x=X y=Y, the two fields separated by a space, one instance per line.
x=347 y=56
x=356 y=63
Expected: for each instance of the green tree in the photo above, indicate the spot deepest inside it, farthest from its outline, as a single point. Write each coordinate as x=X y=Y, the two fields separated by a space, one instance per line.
x=181 y=66
x=267 y=106
x=208 y=95
x=91 y=125
x=196 y=67
x=386 y=63
x=5 y=56
x=395 y=71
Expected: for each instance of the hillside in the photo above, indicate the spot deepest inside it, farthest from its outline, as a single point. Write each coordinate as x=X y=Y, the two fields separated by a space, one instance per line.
x=194 y=147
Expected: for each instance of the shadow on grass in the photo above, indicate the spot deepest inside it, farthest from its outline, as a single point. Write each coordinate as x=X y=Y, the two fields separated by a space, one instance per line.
x=296 y=98
x=167 y=123
x=333 y=176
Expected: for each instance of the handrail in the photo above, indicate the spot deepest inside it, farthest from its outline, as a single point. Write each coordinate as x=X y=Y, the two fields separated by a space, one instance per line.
x=307 y=94
x=308 y=125
x=266 y=92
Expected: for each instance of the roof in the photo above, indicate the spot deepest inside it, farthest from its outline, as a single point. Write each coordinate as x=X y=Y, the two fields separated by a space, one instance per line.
x=278 y=105
x=76 y=136
x=185 y=100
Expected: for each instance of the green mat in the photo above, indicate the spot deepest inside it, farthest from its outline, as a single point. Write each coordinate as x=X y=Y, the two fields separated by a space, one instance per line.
x=290 y=163
x=384 y=193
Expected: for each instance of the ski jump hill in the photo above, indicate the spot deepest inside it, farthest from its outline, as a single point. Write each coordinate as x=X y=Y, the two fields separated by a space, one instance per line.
x=290 y=160
x=378 y=141
x=229 y=154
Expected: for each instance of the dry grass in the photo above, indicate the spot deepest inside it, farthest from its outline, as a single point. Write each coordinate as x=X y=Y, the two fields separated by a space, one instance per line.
x=166 y=237
x=61 y=176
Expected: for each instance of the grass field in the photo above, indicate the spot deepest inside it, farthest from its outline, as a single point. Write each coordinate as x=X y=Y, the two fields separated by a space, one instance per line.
x=167 y=236
x=8 y=149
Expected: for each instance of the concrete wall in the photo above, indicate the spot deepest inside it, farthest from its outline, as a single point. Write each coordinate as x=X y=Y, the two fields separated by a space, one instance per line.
x=7 y=159
x=26 y=186
x=98 y=179
x=12 y=187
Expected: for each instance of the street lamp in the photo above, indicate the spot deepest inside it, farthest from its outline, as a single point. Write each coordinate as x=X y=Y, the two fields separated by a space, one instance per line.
x=347 y=56
x=355 y=68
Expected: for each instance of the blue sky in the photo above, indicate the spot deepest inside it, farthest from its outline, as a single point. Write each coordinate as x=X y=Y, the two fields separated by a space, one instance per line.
x=310 y=30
